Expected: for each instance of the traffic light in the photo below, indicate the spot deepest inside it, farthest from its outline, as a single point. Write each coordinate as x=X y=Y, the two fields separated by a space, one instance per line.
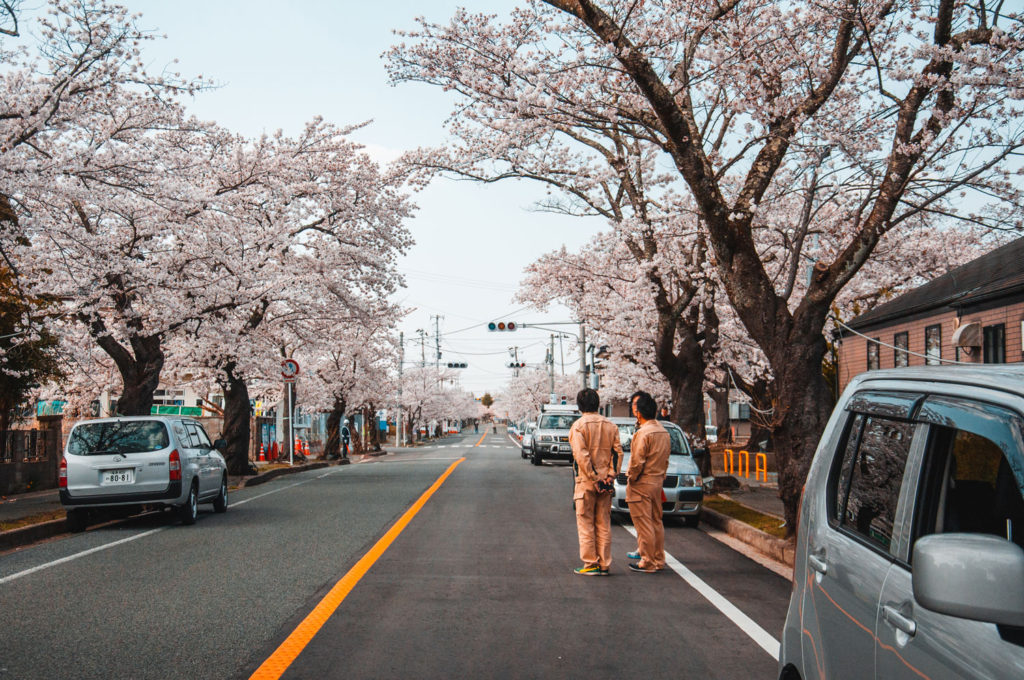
x=456 y=365
x=517 y=364
x=501 y=326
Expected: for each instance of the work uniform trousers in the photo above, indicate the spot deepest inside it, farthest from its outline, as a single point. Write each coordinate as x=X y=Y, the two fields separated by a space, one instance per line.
x=650 y=530
x=594 y=525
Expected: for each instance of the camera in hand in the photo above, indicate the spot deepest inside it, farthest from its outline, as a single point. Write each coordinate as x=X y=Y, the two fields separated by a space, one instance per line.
x=605 y=486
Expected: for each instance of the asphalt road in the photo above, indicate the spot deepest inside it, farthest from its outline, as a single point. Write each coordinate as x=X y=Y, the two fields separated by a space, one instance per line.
x=479 y=583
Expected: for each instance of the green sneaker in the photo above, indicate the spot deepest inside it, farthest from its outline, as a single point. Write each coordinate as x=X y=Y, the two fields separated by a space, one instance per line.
x=587 y=571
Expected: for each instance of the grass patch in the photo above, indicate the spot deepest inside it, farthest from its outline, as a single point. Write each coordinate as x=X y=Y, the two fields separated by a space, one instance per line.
x=37 y=518
x=758 y=520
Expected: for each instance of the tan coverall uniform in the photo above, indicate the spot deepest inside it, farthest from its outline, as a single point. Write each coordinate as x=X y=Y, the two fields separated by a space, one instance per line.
x=594 y=438
x=648 y=462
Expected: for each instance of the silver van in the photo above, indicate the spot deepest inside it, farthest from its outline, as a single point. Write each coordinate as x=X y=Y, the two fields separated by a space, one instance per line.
x=910 y=546
x=551 y=436
x=161 y=461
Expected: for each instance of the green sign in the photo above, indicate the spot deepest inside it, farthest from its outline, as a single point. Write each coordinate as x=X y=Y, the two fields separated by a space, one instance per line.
x=194 y=411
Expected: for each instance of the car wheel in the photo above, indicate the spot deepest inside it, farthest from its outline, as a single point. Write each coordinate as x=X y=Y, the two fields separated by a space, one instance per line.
x=190 y=510
x=220 y=503
x=536 y=459
x=692 y=521
x=77 y=521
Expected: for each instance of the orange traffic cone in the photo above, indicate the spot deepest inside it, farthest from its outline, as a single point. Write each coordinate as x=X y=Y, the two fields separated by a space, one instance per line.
x=263 y=452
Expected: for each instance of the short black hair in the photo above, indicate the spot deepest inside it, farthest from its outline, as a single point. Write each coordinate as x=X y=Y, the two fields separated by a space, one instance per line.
x=646 y=406
x=587 y=400
x=635 y=395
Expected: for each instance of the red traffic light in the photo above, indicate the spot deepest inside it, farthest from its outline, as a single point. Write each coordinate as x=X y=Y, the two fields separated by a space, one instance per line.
x=511 y=325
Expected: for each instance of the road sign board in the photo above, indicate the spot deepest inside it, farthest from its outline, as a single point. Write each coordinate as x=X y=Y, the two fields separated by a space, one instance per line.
x=289 y=370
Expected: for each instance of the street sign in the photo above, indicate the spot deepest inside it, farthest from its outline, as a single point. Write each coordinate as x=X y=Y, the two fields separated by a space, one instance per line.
x=289 y=370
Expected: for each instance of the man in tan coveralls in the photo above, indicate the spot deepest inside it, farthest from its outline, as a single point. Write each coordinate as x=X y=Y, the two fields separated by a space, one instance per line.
x=648 y=462
x=596 y=450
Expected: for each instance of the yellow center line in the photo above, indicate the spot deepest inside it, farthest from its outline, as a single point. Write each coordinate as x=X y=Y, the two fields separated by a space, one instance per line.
x=278 y=662
x=481 y=439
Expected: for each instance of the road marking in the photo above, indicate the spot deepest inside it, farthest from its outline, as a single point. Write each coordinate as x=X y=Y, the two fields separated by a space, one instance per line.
x=480 y=440
x=756 y=633
x=278 y=662
x=90 y=551
x=12 y=577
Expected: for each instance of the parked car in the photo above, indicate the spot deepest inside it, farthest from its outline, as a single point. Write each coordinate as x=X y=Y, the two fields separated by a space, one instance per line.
x=127 y=463
x=551 y=438
x=910 y=546
x=526 y=444
x=683 y=488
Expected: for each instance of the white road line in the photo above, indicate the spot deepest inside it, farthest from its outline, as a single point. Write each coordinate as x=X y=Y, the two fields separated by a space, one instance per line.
x=756 y=633
x=12 y=577
x=99 y=548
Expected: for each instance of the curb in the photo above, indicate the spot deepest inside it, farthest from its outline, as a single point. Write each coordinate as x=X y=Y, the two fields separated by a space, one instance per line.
x=17 y=538
x=271 y=474
x=776 y=548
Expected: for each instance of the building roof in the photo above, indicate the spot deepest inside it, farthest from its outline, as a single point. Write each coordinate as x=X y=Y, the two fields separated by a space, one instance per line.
x=997 y=274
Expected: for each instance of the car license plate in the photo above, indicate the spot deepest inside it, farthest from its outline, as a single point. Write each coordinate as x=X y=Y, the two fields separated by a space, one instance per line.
x=565 y=447
x=125 y=476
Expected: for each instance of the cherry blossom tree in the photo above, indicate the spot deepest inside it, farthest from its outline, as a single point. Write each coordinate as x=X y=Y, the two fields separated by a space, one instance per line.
x=858 y=118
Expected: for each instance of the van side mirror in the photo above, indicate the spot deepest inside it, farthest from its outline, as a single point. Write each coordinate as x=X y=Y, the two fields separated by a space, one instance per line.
x=220 y=444
x=970 y=576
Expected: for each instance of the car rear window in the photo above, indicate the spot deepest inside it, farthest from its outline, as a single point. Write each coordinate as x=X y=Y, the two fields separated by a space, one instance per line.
x=135 y=436
x=562 y=422
x=679 y=445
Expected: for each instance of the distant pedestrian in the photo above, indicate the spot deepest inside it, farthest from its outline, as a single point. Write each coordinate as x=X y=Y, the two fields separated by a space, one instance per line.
x=596 y=450
x=663 y=414
x=648 y=463
x=476 y=427
x=346 y=437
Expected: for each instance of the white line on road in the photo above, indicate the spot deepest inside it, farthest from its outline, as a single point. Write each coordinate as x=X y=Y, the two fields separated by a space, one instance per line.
x=756 y=633
x=90 y=551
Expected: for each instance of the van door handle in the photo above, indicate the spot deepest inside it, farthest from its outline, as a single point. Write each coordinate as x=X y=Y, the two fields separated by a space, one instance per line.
x=898 y=620
x=817 y=562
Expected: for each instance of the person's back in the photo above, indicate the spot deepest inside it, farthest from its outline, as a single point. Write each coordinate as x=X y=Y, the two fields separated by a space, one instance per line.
x=595 y=437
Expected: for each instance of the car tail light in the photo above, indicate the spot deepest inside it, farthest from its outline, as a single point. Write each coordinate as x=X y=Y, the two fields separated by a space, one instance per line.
x=175 y=466
x=62 y=476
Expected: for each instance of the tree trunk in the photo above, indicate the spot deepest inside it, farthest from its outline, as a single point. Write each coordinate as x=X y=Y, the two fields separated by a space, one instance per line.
x=332 y=447
x=237 y=424
x=720 y=398
x=140 y=371
x=375 y=434
x=803 y=406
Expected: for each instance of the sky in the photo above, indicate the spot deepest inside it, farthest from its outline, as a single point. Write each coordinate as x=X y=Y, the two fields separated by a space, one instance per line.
x=280 y=64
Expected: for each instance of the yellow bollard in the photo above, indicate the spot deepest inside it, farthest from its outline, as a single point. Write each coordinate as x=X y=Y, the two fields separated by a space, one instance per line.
x=743 y=464
x=727 y=461
x=761 y=467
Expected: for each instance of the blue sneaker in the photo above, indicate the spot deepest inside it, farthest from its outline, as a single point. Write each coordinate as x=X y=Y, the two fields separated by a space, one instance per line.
x=635 y=555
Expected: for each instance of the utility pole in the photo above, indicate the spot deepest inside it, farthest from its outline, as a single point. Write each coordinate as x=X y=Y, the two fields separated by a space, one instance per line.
x=551 y=366
x=583 y=354
x=437 y=339
x=401 y=362
x=423 y=347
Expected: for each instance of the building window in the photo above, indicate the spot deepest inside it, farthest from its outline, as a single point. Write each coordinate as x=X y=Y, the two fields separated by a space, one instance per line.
x=995 y=344
x=873 y=364
x=933 y=345
x=901 y=343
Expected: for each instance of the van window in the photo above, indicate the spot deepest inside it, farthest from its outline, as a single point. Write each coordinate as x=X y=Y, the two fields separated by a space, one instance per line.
x=560 y=422
x=866 y=486
x=968 y=480
x=106 y=438
x=197 y=436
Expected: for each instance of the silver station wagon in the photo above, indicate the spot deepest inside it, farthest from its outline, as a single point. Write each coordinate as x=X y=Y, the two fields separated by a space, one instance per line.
x=154 y=461
x=683 y=488
x=910 y=546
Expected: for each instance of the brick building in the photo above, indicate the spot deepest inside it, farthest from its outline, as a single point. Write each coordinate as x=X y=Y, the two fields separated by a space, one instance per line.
x=973 y=314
